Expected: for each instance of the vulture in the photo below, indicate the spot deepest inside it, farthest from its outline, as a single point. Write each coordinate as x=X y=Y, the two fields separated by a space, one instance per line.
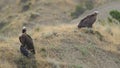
x=88 y=21
x=26 y=43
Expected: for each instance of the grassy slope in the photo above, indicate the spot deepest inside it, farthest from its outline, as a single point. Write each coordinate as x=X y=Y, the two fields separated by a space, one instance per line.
x=62 y=45
x=67 y=47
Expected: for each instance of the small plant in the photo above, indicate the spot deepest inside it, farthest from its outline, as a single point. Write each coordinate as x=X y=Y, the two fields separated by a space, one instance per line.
x=33 y=16
x=43 y=52
x=81 y=8
x=37 y=29
x=23 y=1
x=115 y=14
x=89 y=31
x=77 y=66
x=110 y=20
x=78 y=11
x=2 y=38
x=49 y=34
x=99 y=35
x=108 y=29
x=84 y=51
x=23 y=62
x=89 y=4
x=3 y=23
x=25 y=8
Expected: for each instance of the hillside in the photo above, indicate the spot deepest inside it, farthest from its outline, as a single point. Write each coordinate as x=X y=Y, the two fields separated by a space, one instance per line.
x=37 y=12
x=65 y=46
x=58 y=42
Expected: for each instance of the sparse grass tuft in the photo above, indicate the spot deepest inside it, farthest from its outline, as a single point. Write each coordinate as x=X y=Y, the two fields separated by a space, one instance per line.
x=23 y=62
x=99 y=35
x=84 y=51
x=43 y=52
x=77 y=66
x=49 y=34
x=78 y=11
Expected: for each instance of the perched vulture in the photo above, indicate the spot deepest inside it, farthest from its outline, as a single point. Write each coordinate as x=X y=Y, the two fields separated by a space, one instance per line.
x=88 y=21
x=26 y=43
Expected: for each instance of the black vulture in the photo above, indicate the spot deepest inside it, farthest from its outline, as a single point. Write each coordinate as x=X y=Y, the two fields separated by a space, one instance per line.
x=88 y=21
x=26 y=43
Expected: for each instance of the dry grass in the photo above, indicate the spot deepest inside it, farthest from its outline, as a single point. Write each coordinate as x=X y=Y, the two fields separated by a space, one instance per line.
x=48 y=39
x=111 y=32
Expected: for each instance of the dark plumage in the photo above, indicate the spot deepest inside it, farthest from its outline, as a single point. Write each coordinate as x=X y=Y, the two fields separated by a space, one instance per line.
x=88 y=21
x=24 y=51
x=26 y=43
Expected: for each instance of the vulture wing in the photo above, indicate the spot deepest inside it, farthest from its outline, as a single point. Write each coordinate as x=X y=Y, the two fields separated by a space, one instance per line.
x=87 y=21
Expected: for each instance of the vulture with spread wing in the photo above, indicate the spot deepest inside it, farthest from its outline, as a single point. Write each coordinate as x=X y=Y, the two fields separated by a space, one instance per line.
x=88 y=21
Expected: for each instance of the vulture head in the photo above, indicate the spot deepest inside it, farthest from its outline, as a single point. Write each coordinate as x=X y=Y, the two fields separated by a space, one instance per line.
x=24 y=29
